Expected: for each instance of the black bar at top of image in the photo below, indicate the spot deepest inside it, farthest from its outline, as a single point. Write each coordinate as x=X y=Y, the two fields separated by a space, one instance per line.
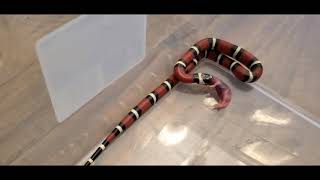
x=159 y=7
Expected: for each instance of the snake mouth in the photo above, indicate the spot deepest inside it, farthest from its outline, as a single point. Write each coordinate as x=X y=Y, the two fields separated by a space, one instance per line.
x=224 y=95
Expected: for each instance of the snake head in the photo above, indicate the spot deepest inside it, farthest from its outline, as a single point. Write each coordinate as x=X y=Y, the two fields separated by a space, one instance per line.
x=223 y=92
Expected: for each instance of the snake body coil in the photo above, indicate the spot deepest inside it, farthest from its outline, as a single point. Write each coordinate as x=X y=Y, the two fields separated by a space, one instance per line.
x=240 y=62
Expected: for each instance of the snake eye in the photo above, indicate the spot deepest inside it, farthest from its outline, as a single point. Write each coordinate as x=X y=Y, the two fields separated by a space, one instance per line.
x=206 y=78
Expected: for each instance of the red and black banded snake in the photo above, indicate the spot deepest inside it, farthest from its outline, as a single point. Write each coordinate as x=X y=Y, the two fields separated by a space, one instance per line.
x=241 y=63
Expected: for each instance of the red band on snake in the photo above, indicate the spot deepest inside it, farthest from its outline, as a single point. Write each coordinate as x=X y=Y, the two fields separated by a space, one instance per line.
x=240 y=62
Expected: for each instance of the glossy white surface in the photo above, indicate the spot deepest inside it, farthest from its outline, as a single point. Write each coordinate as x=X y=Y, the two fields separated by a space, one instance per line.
x=84 y=56
x=258 y=128
x=182 y=130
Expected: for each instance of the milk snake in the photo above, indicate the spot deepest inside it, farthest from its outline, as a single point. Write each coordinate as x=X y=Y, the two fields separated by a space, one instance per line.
x=237 y=60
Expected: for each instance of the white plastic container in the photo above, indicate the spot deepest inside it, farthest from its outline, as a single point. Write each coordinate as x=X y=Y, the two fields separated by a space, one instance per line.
x=84 y=56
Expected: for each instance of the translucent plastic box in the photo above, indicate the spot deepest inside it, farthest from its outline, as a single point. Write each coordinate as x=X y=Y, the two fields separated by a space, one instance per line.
x=259 y=126
x=85 y=55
